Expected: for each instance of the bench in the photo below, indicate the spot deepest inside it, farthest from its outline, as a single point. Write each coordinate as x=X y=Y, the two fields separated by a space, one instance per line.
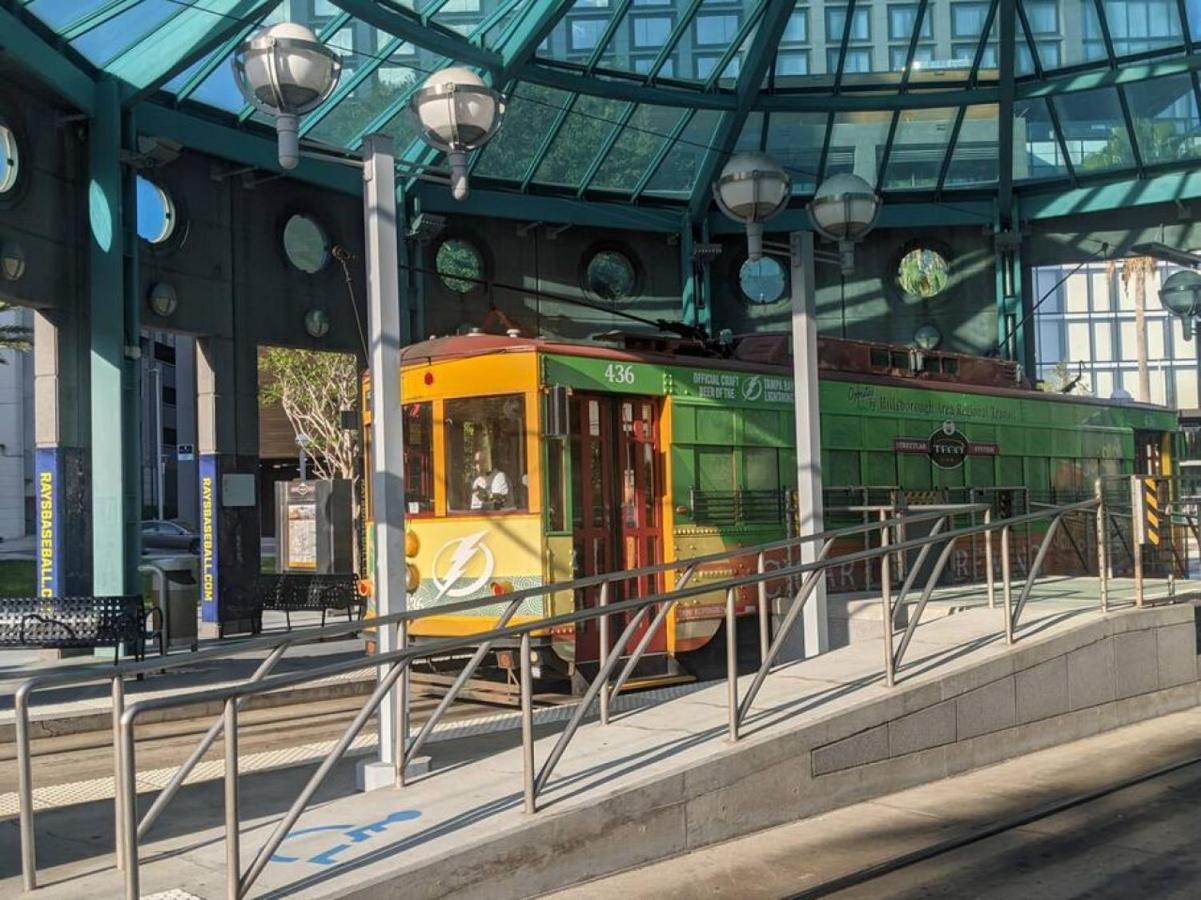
x=80 y=622
x=290 y=592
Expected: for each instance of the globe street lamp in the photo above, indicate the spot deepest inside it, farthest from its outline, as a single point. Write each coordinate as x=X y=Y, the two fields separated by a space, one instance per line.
x=844 y=209
x=284 y=71
x=1180 y=295
x=751 y=188
x=456 y=113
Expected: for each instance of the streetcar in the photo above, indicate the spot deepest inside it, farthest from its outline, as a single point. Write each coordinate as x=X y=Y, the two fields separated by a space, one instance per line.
x=532 y=461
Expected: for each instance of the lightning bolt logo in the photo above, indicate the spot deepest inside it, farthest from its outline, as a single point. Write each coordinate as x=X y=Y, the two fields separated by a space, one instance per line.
x=465 y=550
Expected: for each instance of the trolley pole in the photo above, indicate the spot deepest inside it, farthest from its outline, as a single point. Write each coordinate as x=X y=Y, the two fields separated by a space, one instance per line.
x=387 y=475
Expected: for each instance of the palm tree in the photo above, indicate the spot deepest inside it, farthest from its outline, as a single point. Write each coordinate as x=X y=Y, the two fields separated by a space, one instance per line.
x=1137 y=269
x=13 y=337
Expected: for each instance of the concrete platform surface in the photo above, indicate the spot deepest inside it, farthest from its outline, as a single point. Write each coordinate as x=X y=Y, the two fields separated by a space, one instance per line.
x=816 y=852
x=662 y=780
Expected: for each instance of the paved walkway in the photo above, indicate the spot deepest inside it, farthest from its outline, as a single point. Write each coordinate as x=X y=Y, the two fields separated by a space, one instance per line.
x=348 y=839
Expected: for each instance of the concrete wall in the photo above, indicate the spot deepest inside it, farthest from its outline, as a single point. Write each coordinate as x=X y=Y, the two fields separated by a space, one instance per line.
x=15 y=431
x=869 y=305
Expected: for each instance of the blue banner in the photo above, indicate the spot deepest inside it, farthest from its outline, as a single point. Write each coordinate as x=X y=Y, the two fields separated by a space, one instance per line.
x=48 y=480
x=210 y=512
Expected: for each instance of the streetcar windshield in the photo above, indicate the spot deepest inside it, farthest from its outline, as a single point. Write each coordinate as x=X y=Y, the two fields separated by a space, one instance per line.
x=485 y=454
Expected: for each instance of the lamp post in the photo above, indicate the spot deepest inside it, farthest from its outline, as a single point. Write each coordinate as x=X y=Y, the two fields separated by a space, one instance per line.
x=285 y=72
x=751 y=189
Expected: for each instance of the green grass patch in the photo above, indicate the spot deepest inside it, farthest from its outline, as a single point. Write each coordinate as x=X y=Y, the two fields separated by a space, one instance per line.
x=17 y=578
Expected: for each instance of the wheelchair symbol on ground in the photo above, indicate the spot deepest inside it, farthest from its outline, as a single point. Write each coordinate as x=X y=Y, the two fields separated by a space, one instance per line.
x=345 y=836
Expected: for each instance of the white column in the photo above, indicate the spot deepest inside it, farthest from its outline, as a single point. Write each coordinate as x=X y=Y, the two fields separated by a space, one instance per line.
x=808 y=434
x=387 y=475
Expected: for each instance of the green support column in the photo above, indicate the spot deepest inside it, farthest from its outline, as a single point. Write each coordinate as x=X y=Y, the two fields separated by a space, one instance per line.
x=689 y=283
x=115 y=385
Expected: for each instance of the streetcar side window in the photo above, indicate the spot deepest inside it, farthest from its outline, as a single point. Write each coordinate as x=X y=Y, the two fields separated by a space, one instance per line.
x=419 y=458
x=486 y=466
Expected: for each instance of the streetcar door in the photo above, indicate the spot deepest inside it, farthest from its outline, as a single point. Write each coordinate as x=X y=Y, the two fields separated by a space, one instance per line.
x=616 y=486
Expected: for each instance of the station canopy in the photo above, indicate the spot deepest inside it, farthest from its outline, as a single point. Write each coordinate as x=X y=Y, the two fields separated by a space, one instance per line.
x=643 y=100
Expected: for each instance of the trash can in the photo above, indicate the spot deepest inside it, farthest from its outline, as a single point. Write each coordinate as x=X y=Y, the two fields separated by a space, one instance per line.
x=177 y=592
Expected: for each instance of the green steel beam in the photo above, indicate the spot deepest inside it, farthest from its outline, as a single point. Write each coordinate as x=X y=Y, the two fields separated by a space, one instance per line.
x=972 y=77
x=1046 y=202
x=539 y=208
x=1127 y=73
x=1128 y=121
x=521 y=38
x=893 y=214
x=480 y=33
x=1053 y=116
x=177 y=43
x=219 y=35
x=405 y=25
x=902 y=88
x=45 y=62
x=241 y=146
x=842 y=46
x=431 y=9
x=1103 y=20
x=759 y=57
x=845 y=102
x=1038 y=66
x=1007 y=63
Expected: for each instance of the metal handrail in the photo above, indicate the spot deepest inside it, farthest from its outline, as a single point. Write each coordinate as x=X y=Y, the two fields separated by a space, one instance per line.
x=279 y=644
x=398 y=660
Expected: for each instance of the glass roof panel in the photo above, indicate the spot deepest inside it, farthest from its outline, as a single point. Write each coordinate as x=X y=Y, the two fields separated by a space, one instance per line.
x=579 y=34
x=638 y=146
x=533 y=109
x=953 y=58
x=220 y=90
x=59 y=14
x=1094 y=130
x=376 y=81
x=1166 y=123
x=583 y=132
x=105 y=42
x=1064 y=34
x=751 y=138
x=1033 y=129
x=919 y=147
x=677 y=172
x=879 y=45
x=974 y=161
x=857 y=142
x=458 y=15
x=175 y=85
x=795 y=140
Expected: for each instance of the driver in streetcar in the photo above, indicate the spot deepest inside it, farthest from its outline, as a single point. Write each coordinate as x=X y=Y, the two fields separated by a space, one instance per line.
x=490 y=489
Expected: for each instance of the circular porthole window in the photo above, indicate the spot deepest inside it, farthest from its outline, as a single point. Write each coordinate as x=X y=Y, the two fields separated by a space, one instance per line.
x=10 y=159
x=306 y=243
x=762 y=280
x=156 y=212
x=610 y=275
x=922 y=273
x=460 y=265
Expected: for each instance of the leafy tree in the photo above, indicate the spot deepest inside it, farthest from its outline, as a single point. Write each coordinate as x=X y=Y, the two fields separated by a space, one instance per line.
x=1062 y=381
x=314 y=388
x=13 y=337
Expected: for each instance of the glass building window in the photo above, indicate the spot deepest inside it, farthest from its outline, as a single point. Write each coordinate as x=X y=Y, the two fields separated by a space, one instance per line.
x=762 y=281
x=652 y=31
x=797 y=29
x=792 y=62
x=1048 y=54
x=306 y=244
x=585 y=34
x=459 y=264
x=156 y=211
x=715 y=30
x=967 y=19
x=610 y=275
x=901 y=20
x=9 y=159
x=419 y=458
x=1043 y=16
x=485 y=454
x=858 y=60
x=836 y=20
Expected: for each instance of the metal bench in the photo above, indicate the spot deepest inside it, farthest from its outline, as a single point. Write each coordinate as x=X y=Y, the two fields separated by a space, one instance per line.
x=291 y=592
x=81 y=622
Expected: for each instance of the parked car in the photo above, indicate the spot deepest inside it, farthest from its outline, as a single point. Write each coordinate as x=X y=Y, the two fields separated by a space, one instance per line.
x=158 y=534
